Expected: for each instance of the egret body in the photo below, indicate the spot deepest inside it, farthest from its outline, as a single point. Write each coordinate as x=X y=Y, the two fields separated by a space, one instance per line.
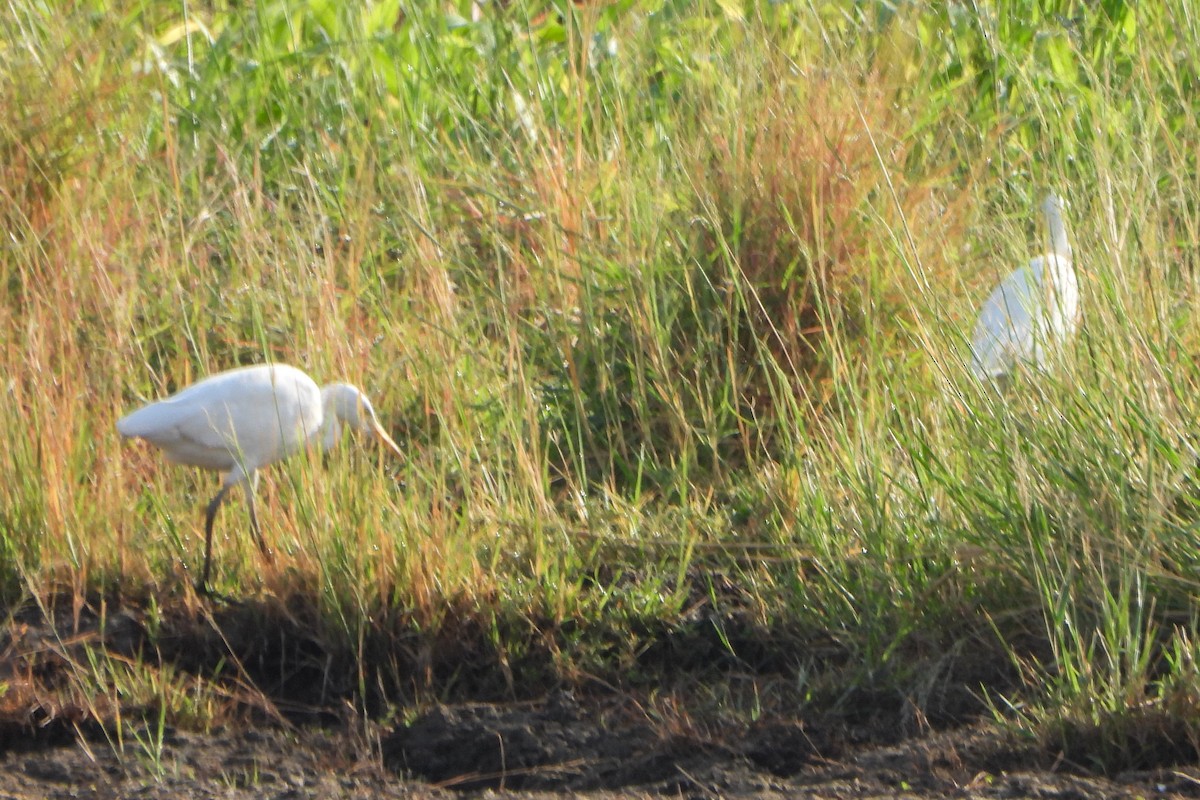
x=1033 y=311
x=239 y=421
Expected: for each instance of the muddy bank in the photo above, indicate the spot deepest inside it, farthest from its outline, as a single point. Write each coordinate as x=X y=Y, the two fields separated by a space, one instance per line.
x=288 y=728
x=545 y=749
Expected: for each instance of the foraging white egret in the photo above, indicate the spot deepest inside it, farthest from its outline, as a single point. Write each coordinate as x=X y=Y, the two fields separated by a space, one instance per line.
x=239 y=421
x=1034 y=310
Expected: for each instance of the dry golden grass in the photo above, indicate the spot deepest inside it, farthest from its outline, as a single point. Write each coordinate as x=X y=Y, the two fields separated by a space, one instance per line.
x=679 y=339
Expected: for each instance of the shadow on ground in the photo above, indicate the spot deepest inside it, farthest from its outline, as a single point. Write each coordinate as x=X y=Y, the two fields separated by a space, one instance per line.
x=291 y=729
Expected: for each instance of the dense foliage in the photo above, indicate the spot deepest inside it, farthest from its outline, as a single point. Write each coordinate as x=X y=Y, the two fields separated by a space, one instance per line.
x=667 y=301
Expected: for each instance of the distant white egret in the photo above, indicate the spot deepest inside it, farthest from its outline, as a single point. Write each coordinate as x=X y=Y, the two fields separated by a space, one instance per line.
x=1033 y=311
x=239 y=421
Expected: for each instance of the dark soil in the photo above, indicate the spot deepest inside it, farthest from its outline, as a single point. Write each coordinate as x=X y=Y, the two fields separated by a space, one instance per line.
x=592 y=740
x=538 y=750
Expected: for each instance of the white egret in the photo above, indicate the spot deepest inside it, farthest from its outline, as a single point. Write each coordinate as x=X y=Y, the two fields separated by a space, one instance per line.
x=239 y=421
x=1033 y=311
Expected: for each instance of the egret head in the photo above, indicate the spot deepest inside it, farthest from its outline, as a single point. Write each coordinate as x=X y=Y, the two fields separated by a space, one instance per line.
x=344 y=404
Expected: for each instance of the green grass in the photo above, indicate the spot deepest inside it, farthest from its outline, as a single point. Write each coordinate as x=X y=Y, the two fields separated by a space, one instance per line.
x=668 y=304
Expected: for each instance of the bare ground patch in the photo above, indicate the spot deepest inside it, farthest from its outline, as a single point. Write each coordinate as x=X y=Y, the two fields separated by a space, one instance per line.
x=581 y=754
x=287 y=731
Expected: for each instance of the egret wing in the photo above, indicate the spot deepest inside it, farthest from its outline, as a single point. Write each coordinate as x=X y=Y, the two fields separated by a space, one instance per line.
x=244 y=418
x=1004 y=332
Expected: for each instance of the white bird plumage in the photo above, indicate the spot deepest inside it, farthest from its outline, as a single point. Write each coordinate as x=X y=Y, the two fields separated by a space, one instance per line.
x=1033 y=311
x=239 y=421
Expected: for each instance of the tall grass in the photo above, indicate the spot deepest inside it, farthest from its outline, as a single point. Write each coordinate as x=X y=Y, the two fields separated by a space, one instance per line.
x=669 y=307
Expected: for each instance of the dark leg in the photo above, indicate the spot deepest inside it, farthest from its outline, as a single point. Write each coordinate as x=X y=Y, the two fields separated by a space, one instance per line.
x=209 y=516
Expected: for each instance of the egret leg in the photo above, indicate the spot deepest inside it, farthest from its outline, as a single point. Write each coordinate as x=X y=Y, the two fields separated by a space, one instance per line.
x=251 y=491
x=209 y=515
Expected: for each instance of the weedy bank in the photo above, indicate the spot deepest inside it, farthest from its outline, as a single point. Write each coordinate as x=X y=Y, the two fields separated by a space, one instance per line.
x=667 y=304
